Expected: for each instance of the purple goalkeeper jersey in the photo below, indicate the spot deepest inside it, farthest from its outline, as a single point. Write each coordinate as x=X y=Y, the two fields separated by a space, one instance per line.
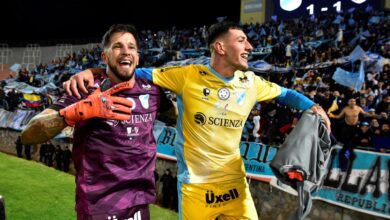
x=115 y=160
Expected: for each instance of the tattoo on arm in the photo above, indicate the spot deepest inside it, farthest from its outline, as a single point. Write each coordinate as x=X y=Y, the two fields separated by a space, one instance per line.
x=43 y=127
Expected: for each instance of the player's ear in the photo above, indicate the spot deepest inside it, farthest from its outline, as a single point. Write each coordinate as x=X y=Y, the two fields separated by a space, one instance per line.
x=219 y=47
x=104 y=57
x=136 y=61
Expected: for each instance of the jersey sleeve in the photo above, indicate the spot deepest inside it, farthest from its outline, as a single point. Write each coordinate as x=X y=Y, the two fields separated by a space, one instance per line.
x=294 y=99
x=144 y=73
x=172 y=78
x=266 y=90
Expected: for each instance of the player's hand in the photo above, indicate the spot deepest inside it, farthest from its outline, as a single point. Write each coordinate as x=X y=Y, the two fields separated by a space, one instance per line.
x=100 y=104
x=319 y=110
x=75 y=84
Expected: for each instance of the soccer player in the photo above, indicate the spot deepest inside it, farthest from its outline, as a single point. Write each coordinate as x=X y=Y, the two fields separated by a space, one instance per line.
x=114 y=152
x=214 y=102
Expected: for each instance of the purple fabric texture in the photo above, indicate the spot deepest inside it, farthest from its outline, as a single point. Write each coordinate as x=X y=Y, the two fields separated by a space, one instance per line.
x=115 y=160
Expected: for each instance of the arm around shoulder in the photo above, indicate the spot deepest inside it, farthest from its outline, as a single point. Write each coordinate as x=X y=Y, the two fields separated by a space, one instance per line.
x=76 y=83
x=43 y=127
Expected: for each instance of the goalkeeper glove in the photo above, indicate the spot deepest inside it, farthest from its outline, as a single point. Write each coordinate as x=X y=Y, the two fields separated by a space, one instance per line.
x=100 y=104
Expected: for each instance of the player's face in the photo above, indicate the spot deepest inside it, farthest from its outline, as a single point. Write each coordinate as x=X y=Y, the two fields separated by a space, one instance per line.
x=121 y=57
x=237 y=48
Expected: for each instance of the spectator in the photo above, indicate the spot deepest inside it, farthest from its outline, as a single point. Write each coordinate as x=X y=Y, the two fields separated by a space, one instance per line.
x=42 y=153
x=364 y=137
x=382 y=141
x=66 y=158
x=27 y=151
x=19 y=147
x=59 y=157
x=167 y=181
x=50 y=154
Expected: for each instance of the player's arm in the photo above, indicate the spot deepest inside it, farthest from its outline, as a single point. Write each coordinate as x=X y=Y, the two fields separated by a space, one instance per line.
x=99 y=104
x=43 y=127
x=296 y=100
x=76 y=83
x=85 y=79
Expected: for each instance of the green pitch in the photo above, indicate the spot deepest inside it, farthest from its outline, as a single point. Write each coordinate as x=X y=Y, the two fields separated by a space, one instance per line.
x=32 y=190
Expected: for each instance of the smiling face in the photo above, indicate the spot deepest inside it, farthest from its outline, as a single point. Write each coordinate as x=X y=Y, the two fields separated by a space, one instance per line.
x=121 y=56
x=236 y=48
x=229 y=48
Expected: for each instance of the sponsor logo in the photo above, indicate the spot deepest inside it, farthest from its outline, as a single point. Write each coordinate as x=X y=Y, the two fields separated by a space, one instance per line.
x=112 y=217
x=220 y=105
x=223 y=93
x=146 y=87
x=212 y=198
x=243 y=79
x=132 y=131
x=134 y=103
x=137 y=119
x=202 y=73
x=224 y=122
x=200 y=118
x=240 y=95
x=134 y=119
x=136 y=216
x=168 y=68
x=206 y=91
x=222 y=108
x=144 y=101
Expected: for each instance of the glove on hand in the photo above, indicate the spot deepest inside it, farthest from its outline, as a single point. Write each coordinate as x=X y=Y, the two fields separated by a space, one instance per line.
x=100 y=104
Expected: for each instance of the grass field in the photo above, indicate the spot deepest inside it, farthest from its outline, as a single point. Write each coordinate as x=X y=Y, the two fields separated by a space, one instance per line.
x=33 y=191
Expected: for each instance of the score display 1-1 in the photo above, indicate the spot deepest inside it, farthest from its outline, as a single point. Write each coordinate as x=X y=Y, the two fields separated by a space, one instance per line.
x=297 y=8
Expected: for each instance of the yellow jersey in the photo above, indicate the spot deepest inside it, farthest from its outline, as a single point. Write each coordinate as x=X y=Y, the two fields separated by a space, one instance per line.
x=212 y=113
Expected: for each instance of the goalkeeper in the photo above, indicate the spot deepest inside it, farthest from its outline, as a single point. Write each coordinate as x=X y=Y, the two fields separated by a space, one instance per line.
x=114 y=150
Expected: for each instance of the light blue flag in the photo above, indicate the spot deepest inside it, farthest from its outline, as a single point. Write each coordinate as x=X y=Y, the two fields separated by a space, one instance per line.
x=360 y=81
x=357 y=53
x=15 y=67
x=350 y=79
x=374 y=20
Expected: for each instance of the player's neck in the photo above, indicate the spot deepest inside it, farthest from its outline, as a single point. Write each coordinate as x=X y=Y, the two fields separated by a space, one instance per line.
x=116 y=80
x=222 y=68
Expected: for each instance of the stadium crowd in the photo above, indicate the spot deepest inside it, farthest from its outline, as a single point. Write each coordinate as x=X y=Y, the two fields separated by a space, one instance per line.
x=300 y=47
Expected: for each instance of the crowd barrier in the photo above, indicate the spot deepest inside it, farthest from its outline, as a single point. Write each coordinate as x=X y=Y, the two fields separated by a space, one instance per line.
x=364 y=187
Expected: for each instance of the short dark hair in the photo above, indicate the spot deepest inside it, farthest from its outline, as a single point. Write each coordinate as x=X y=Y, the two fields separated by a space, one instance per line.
x=117 y=28
x=218 y=29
